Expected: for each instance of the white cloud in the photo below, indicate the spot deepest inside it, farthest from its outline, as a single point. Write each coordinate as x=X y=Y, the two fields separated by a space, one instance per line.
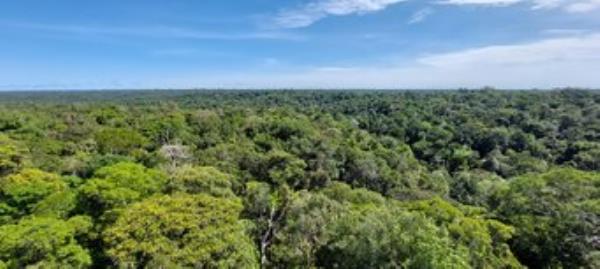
x=547 y=4
x=549 y=51
x=566 y=32
x=572 y=6
x=551 y=62
x=583 y=6
x=319 y=9
x=481 y=2
x=548 y=63
x=420 y=15
x=566 y=57
x=315 y=10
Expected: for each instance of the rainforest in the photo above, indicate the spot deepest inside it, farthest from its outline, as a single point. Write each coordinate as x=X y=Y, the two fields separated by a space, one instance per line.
x=300 y=179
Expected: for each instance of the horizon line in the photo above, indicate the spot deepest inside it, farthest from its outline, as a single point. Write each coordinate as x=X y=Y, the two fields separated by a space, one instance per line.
x=295 y=89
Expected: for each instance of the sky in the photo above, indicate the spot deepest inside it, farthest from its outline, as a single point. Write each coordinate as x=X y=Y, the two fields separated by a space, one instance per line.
x=321 y=44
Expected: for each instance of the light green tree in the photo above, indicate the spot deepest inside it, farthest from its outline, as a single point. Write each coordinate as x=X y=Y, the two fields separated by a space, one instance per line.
x=181 y=230
x=12 y=156
x=25 y=192
x=196 y=180
x=118 y=185
x=44 y=242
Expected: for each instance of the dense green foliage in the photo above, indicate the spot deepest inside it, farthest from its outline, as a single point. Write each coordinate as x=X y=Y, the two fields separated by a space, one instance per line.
x=300 y=179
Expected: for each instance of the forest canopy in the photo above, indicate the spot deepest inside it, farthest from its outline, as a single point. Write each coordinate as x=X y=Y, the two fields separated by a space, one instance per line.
x=300 y=179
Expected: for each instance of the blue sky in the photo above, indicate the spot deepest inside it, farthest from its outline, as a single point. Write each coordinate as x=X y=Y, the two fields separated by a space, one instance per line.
x=111 y=44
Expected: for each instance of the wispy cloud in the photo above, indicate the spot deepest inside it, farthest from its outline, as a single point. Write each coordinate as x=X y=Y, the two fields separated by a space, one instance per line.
x=554 y=50
x=151 y=32
x=547 y=63
x=316 y=10
x=270 y=62
x=174 y=52
x=571 y=6
x=547 y=4
x=566 y=32
x=583 y=6
x=481 y=2
x=420 y=15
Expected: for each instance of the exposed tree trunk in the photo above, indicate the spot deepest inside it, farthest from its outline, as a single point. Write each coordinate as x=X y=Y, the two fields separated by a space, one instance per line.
x=265 y=241
x=275 y=217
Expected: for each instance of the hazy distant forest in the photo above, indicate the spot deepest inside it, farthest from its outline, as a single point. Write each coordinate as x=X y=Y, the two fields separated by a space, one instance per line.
x=300 y=179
